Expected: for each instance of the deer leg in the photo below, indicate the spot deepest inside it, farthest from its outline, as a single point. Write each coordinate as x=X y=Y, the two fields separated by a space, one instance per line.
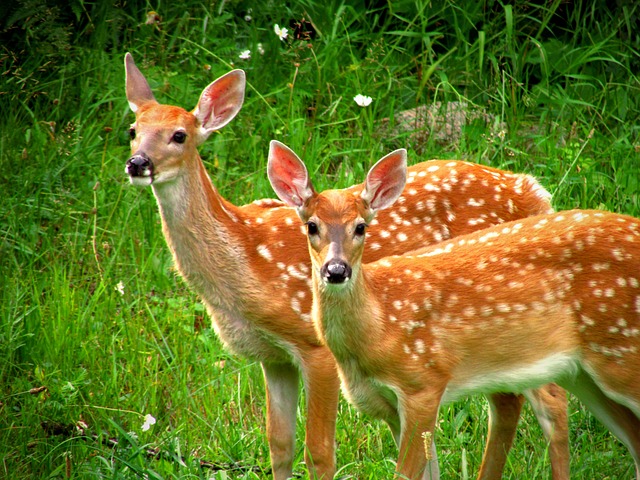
x=549 y=404
x=282 y=402
x=620 y=420
x=322 y=388
x=504 y=414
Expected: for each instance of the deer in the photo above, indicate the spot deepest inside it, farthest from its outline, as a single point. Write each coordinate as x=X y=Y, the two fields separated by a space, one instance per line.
x=250 y=266
x=553 y=297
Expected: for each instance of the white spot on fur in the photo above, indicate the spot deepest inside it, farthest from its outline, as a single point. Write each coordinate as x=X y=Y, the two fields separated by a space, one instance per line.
x=503 y=308
x=296 y=273
x=587 y=321
x=264 y=252
x=617 y=254
x=295 y=306
x=472 y=202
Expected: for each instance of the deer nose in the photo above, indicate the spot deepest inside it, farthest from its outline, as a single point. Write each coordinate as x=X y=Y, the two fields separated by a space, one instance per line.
x=139 y=165
x=336 y=271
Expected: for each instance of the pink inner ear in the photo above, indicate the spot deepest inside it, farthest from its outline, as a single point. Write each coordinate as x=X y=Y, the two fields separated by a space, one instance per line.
x=288 y=175
x=289 y=168
x=290 y=194
x=382 y=197
x=207 y=111
x=221 y=101
x=386 y=179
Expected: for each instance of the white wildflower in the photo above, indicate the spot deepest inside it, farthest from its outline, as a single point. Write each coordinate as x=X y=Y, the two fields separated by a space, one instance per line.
x=363 y=100
x=245 y=54
x=148 y=421
x=260 y=49
x=282 y=33
x=120 y=288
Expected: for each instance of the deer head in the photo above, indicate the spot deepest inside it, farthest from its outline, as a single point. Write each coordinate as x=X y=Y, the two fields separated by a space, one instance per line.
x=334 y=247
x=164 y=138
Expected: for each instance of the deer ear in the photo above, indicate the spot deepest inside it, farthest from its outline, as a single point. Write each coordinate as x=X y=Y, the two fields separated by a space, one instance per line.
x=220 y=102
x=138 y=90
x=288 y=176
x=385 y=181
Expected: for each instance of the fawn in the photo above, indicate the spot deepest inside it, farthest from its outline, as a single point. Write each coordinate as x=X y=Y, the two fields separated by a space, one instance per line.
x=548 y=298
x=250 y=266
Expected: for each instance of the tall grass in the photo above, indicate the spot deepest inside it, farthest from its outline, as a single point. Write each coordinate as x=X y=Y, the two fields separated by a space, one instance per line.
x=96 y=330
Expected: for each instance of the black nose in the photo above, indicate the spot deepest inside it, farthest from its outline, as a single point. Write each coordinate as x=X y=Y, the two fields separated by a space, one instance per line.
x=336 y=272
x=138 y=165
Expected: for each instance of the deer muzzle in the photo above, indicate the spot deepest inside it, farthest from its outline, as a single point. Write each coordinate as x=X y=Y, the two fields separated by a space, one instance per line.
x=139 y=165
x=336 y=272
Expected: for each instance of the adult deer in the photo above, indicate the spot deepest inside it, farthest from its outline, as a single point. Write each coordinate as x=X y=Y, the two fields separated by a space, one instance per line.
x=250 y=265
x=549 y=298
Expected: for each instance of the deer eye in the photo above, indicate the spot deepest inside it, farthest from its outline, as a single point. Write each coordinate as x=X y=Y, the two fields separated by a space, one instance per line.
x=132 y=133
x=312 y=228
x=360 y=229
x=179 y=137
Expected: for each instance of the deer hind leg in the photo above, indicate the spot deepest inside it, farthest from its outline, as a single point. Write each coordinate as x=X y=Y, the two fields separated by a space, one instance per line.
x=281 y=382
x=322 y=388
x=619 y=419
x=504 y=414
x=549 y=404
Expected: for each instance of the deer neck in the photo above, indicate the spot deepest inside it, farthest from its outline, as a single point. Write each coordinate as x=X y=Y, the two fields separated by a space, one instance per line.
x=200 y=228
x=347 y=318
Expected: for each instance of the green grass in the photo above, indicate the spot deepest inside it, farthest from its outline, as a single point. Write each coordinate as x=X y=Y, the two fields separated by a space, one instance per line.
x=563 y=102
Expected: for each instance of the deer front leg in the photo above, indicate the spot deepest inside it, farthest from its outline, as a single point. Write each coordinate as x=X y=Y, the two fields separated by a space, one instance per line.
x=549 y=404
x=417 y=457
x=322 y=388
x=281 y=382
x=504 y=413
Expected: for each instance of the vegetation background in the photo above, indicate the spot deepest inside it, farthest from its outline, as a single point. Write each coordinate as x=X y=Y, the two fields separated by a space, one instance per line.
x=96 y=330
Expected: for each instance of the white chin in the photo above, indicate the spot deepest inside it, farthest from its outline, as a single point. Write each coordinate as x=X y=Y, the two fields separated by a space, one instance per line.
x=140 y=181
x=336 y=287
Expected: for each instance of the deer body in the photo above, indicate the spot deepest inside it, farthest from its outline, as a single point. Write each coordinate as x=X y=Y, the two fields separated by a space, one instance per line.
x=250 y=264
x=549 y=298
